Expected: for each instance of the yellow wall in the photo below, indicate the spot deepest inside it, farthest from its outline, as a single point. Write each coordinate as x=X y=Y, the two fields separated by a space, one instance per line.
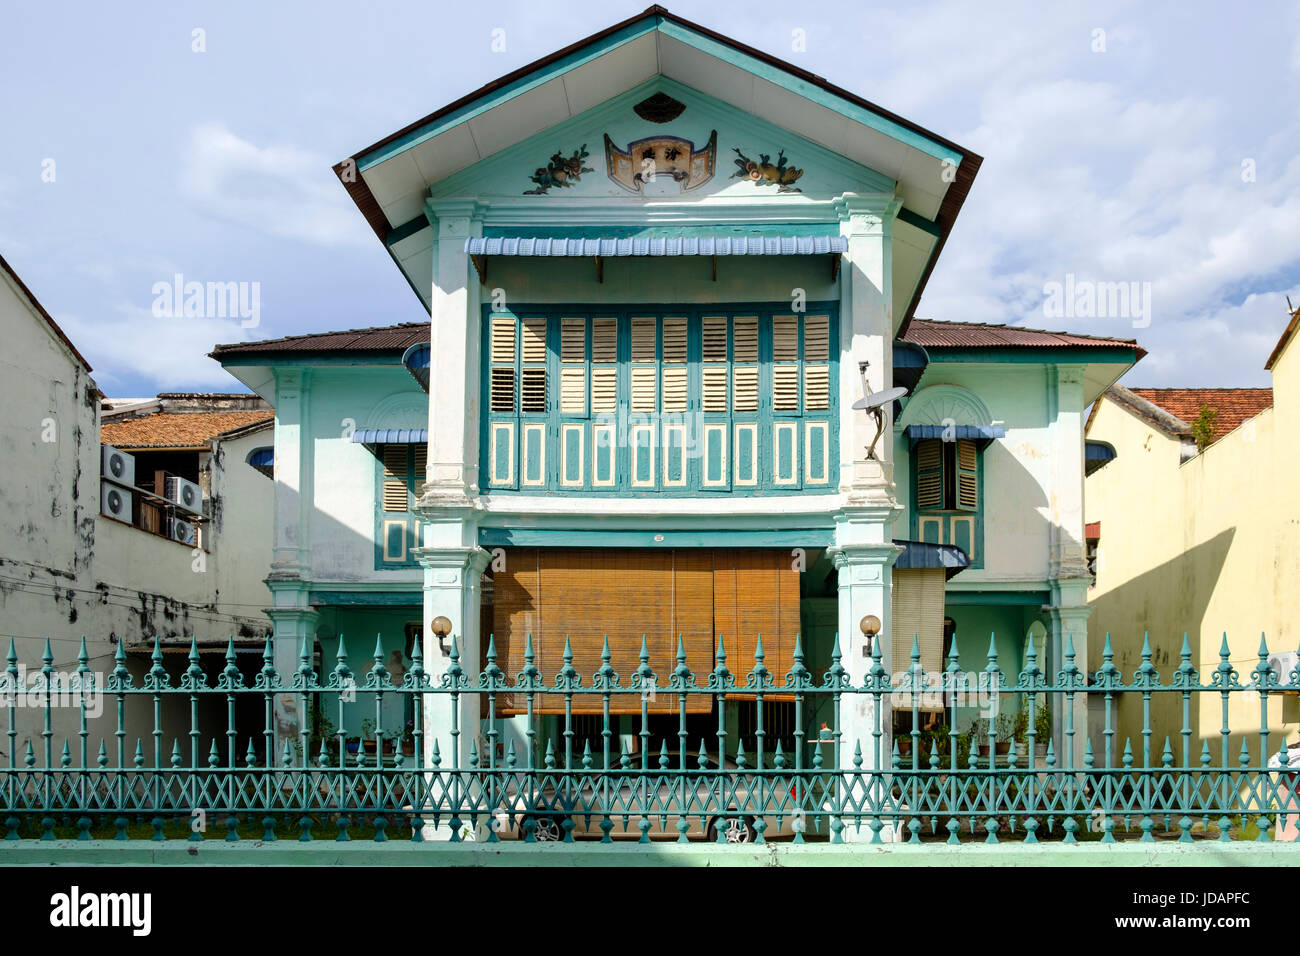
x=1203 y=548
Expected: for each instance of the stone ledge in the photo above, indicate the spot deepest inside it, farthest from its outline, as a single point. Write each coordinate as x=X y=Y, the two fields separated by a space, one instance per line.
x=405 y=853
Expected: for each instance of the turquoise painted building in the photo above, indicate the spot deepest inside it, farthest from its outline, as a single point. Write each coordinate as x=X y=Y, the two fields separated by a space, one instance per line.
x=661 y=269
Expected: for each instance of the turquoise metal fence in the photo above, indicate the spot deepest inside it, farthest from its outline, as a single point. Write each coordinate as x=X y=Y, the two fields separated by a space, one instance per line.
x=995 y=780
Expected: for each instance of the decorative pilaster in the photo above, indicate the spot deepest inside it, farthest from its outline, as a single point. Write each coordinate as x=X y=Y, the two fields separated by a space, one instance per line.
x=864 y=556
x=867 y=335
x=454 y=336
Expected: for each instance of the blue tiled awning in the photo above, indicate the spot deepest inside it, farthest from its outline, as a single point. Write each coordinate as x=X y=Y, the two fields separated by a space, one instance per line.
x=699 y=245
x=921 y=555
x=910 y=361
x=416 y=360
x=1096 y=454
x=982 y=435
x=263 y=459
x=391 y=436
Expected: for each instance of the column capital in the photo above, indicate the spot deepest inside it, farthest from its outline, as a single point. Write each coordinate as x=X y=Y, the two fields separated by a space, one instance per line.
x=453 y=218
x=865 y=214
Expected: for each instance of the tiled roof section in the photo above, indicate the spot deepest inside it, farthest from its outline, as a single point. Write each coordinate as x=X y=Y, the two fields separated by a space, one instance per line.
x=1234 y=405
x=388 y=338
x=176 y=430
x=931 y=333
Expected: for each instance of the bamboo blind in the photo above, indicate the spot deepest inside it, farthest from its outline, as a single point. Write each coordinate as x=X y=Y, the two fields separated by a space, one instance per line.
x=588 y=594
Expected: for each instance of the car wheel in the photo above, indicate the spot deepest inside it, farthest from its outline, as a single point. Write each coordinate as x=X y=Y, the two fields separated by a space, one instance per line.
x=546 y=830
x=734 y=830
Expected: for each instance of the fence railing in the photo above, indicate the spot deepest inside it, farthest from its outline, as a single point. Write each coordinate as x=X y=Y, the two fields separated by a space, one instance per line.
x=648 y=754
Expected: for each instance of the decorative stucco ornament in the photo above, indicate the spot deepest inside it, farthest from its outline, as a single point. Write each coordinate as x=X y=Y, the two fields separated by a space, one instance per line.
x=766 y=173
x=672 y=157
x=560 y=171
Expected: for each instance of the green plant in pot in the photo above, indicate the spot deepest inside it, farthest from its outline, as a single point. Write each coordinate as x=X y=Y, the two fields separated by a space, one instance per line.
x=1042 y=727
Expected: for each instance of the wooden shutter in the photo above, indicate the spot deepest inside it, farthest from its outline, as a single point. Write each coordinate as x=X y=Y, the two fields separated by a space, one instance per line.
x=744 y=357
x=604 y=365
x=532 y=379
x=394 y=497
x=674 y=396
x=785 y=338
x=744 y=343
x=643 y=389
x=643 y=339
x=421 y=461
x=929 y=474
x=674 y=340
x=968 y=482
x=785 y=388
x=502 y=374
x=816 y=385
x=816 y=338
x=588 y=594
x=918 y=602
x=713 y=374
x=757 y=592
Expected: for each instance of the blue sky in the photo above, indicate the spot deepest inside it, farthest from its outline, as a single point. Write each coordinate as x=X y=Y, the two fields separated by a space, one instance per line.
x=1127 y=163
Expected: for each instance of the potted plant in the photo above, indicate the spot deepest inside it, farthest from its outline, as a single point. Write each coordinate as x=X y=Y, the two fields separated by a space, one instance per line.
x=1042 y=730
x=1005 y=727
x=978 y=735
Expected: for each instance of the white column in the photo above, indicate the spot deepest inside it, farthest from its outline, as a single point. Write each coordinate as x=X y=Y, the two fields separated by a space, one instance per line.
x=864 y=556
x=294 y=628
x=291 y=542
x=1068 y=576
x=455 y=366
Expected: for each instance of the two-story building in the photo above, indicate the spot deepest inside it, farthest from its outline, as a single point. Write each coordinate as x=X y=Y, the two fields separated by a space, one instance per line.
x=662 y=269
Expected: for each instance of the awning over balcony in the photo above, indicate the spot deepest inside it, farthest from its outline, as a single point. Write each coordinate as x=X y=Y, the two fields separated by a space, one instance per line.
x=982 y=435
x=609 y=242
x=920 y=555
x=391 y=436
x=910 y=362
x=416 y=360
x=1096 y=454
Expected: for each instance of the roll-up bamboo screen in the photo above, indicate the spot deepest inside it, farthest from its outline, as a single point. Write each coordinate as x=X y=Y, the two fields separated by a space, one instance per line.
x=918 y=603
x=588 y=594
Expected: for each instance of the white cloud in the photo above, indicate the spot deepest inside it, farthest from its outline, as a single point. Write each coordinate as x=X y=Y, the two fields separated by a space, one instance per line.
x=130 y=344
x=280 y=191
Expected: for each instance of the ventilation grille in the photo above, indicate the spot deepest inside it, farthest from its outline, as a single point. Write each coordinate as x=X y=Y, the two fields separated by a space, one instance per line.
x=816 y=387
x=395 y=498
x=715 y=338
x=644 y=329
x=604 y=389
x=674 y=341
x=604 y=340
x=573 y=390
x=533 y=398
x=785 y=338
x=503 y=341
x=643 y=390
x=744 y=396
x=674 y=397
x=744 y=339
x=785 y=388
x=534 y=341
x=503 y=389
x=573 y=340
x=714 y=384
x=817 y=338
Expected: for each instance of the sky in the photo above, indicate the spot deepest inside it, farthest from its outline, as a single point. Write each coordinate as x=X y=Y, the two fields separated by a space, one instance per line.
x=1147 y=143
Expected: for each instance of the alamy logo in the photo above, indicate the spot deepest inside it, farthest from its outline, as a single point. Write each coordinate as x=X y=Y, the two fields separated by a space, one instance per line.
x=208 y=300
x=76 y=909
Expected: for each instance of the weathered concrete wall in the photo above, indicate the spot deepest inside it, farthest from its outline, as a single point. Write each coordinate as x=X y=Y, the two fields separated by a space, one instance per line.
x=1204 y=548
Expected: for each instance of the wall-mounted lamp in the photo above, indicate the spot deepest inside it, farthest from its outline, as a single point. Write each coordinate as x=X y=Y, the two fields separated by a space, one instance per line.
x=441 y=626
x=870 y=628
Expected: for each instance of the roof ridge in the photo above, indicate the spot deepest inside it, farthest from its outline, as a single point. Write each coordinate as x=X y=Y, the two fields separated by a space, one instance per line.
x=313 y=335
x=1026 y=328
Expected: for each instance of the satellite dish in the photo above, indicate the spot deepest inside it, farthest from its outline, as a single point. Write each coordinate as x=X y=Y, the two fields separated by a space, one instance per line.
x=876 y=399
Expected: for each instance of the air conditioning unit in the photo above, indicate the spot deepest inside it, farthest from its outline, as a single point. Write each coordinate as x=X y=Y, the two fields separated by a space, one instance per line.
x=115 y=502
x=118 y=466
x=182 y=531
x=184 y=493
x=1283 y=663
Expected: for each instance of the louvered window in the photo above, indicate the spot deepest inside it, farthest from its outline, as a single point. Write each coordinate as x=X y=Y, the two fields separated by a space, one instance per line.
x=582 y=400
x=402 y=473
x=947 y=475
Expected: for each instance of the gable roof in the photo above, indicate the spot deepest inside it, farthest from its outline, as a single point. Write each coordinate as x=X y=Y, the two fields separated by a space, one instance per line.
x=1289 y=331
x=1233 y=405
x=389 y=179
x=178 y=429
x=380 y=339
x=40 y=309
x=936 y=334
